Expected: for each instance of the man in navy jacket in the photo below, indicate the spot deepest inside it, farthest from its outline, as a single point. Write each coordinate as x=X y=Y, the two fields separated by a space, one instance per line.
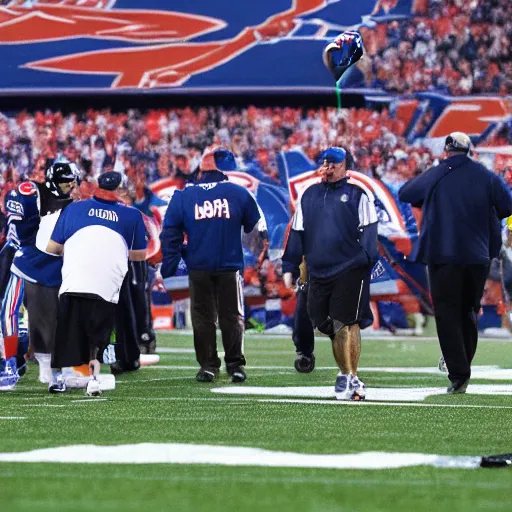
x=212 y=212
x=462 y=203
x=335 y=229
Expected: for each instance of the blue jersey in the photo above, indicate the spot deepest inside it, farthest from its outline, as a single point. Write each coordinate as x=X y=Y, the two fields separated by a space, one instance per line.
x=212 y=213
x=32 y=211
x=97 y=236
x=335 y=228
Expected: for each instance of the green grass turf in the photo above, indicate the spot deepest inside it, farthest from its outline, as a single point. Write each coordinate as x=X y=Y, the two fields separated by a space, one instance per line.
x=167 y=405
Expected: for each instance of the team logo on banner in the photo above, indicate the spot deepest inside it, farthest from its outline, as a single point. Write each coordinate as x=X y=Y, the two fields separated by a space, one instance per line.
x=152 y=46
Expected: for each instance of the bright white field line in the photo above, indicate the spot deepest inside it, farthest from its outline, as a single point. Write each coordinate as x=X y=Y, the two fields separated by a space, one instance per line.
x=12 y=418
x=373 y=394
x=174 y=453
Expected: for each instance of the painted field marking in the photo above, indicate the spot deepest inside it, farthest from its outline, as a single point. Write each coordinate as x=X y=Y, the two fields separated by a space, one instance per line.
x=170 y=350
x=89 y=400
x=372 y=394
x=13 y=418
x=41 y=405
x=177 y=453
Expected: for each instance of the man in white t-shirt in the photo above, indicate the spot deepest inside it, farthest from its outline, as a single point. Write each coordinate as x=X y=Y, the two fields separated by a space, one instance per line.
x=97 y=238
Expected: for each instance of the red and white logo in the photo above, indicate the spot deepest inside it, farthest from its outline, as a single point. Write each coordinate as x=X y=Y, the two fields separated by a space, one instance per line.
x=27 y=188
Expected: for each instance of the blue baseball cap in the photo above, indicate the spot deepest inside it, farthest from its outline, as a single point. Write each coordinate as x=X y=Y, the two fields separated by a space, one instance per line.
x=110 y=180
x=225 y=160
x=332 y=156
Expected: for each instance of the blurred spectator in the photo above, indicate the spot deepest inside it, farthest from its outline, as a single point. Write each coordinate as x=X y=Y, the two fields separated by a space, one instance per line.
x=149 y=145
x=452 y=46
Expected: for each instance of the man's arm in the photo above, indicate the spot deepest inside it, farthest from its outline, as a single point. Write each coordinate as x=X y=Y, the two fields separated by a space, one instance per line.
x=294 y=244
x=501 y=198
x=172 y=236
x=15 y=211
x=368 y=223
x=55 y=248
x=58 y=236
x=254 y=223
x=138 y=249
x=415 y=190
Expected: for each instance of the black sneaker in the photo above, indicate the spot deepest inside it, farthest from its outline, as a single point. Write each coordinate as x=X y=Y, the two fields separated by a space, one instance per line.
x=205 y=375
x=458 y=387
x=238 y=375
x=305 y=364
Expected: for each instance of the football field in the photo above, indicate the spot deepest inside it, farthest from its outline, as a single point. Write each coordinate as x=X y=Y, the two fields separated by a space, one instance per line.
x=161 y=441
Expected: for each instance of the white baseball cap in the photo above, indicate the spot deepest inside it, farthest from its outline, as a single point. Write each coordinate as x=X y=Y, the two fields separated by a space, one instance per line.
x=457 y=141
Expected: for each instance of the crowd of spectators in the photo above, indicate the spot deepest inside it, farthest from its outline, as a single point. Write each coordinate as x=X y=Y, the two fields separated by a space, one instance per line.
x=154 y=144
x=452 y=46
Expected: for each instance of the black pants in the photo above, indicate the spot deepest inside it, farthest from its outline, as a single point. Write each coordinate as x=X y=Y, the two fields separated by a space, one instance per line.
x=217 y=295
x=456 y=294
x=6 y=257
x=84 y=328
x=42 y=304
x=303 y=333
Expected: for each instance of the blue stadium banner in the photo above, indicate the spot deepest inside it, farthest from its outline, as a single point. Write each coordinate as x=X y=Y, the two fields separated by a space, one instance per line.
x=188 y=45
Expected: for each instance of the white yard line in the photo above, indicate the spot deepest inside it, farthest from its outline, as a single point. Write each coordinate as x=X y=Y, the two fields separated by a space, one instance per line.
x=90 y=400
x=13 y=418
x=178 y=453
x=41 y=405
x=374 y=394
x=171 y=350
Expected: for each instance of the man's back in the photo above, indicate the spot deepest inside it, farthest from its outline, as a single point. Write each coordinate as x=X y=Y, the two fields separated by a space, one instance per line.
x=462 y=202
x=212 y=215
x=97 y=236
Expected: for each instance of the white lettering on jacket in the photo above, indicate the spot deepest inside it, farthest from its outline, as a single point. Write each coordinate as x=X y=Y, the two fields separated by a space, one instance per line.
x=103 y=214
x=217 y=209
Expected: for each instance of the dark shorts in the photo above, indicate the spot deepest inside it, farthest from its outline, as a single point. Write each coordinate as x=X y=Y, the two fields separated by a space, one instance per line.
x=342 y=300
x=84 y=327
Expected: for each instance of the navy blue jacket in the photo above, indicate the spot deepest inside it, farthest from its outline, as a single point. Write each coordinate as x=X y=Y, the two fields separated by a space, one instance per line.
x=32 y=211
x=335 y=228
x=462 y=203
x=212 y=213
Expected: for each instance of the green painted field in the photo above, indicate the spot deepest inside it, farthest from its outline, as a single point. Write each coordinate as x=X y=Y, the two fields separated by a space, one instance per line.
x=164 y=404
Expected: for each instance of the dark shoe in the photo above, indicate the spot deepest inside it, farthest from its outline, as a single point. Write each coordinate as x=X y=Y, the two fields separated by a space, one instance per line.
x=305 y=364
x=238 y=375
x=118 y=367
x=206 y=375
x=458 y=387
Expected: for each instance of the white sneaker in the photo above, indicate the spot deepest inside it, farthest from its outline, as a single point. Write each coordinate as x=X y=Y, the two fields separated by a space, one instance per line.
x=57 y=385
x=45 y=367
x=342 y=389
x=357 y=388
x=93 y=388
